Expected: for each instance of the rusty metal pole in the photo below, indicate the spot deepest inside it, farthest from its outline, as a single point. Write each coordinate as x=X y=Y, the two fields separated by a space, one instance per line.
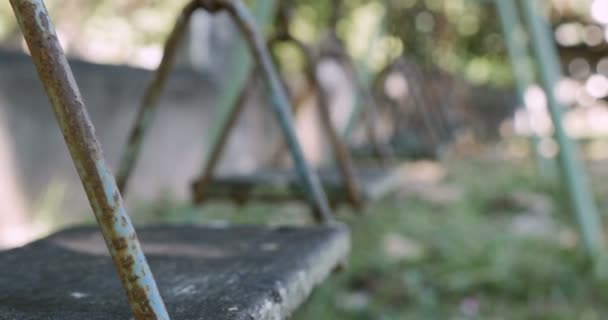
x=200 y=185
x=280 y=104
x=151 y=98
x=340 y=151
x=79 y=134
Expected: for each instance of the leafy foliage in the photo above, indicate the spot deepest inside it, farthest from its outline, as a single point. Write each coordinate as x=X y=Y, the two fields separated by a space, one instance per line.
x=461 y=36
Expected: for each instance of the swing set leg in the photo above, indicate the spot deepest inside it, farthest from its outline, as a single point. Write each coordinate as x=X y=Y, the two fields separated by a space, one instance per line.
x=217 y=148
x=99 y=184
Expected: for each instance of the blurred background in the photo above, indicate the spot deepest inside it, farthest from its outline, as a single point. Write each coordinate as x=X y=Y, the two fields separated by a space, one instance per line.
x=476 y=230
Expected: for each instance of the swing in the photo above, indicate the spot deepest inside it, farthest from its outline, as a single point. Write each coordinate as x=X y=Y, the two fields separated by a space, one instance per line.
x=222 y=272
x=347 y=184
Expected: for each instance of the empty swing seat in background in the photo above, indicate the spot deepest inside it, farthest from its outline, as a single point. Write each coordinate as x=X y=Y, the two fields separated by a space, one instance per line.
x=219 y=273
x=282 y=185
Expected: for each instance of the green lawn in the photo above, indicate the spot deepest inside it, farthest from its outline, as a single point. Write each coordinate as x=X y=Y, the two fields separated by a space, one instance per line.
x=504 y=248
x=487 y=241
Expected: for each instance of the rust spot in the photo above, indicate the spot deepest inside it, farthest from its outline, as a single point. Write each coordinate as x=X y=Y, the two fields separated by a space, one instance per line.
x=107 y=219
x=128 y=262
x=119 y=243
x=133 y=278
x=144 y=308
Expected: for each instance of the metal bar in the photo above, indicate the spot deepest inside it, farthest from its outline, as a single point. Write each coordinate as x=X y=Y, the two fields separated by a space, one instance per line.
x=239 y=69
x=79 y=134
x=572 y=166
x=151 y=98
x=515 y=40
x=200 y=186
x=281 y=106
x=280 y=149
x=340 y=151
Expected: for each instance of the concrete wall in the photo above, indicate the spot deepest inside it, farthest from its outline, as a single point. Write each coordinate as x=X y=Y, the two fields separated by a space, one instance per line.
x=34 y=159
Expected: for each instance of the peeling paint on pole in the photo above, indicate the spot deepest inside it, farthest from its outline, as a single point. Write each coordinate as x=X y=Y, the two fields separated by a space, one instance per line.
x=79 y=134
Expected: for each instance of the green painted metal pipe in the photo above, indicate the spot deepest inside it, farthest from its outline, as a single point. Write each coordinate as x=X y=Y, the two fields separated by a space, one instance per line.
x=515 y=41
x=240 y=67
x=572 y=167
x=79 y=134
x=281 y=107
x=339 y=149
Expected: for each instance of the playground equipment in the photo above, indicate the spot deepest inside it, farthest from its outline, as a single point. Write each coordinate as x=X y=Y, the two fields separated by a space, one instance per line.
x=221 y=273
x=349 y=184
x=425 y=108
x=228 y=272
x=279 y=102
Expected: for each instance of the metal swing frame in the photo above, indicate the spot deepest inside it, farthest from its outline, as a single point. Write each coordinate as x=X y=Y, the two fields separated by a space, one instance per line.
x=99 y=183
x=278 y=100
x=105 y=197
x=340 y=151
x=241 y=189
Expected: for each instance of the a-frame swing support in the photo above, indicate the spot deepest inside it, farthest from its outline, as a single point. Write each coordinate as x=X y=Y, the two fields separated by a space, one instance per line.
x=340 y=151
x=239 y=67
x=279 y=101
x=74 y=256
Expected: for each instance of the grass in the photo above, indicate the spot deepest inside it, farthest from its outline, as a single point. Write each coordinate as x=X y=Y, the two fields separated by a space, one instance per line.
x=474 y=266
x=424 y=256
